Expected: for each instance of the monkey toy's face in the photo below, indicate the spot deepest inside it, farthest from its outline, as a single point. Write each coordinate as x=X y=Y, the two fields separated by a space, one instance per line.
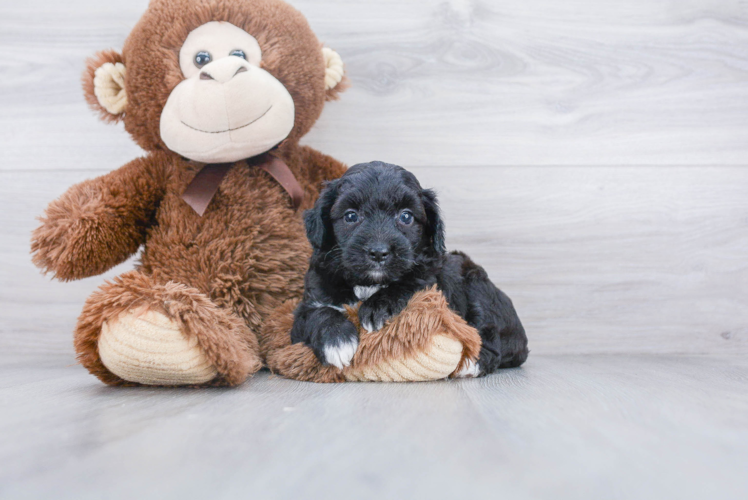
x=228 y=107
x=216 y=81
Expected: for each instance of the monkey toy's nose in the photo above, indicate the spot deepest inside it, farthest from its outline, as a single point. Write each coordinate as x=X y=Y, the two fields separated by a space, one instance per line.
x=379 y=252
x=224 y=69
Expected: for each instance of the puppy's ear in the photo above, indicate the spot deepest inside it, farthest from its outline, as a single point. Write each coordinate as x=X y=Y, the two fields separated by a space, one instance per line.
x=317 y=220
x=315 y=228
x=435 y=228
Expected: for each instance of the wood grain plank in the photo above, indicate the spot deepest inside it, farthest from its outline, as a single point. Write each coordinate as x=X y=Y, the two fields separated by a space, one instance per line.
x=628 y=427
x=596 y=259
x=437 y=83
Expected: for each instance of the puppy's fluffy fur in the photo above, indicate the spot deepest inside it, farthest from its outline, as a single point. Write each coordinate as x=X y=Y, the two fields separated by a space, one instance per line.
x=378 y=238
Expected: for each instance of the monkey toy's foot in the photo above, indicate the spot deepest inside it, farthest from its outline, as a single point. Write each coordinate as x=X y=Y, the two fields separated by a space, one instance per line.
x=426 y=341
x=150 y=348
x=136 y=332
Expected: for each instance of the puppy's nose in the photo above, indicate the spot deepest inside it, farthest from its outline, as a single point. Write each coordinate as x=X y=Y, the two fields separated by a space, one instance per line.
x=379 y=252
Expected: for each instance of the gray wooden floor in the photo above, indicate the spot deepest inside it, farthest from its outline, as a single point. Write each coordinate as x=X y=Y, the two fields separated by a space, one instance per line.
x=590 y=154
x=600 y=426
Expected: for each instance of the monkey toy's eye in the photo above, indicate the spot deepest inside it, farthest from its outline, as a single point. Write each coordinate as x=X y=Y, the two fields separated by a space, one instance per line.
x=351 y=216
x=238 y=53
x=202 y=58
x=406 y=217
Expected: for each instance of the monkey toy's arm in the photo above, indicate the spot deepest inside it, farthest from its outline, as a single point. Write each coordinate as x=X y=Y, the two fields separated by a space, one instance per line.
x=98 y=223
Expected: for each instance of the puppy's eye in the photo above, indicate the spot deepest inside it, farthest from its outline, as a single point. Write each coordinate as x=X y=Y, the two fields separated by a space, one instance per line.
x=406 y=217
x=202 y=58
x=351 y=216
x=238 y=53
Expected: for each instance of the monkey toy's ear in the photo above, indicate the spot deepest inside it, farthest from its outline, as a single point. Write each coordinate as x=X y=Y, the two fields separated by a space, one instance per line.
x=335 y=79
x=319 y=229
x=104 y=85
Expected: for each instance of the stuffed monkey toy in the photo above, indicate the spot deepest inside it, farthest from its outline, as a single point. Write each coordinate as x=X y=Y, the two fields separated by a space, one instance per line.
x=218 y=93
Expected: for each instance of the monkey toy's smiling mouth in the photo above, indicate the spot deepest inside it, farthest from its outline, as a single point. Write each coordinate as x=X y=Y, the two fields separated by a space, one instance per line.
x=228 y=129
x=222 y=122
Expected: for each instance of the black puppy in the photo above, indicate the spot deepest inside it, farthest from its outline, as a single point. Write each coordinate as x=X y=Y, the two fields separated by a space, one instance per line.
x=378 y=238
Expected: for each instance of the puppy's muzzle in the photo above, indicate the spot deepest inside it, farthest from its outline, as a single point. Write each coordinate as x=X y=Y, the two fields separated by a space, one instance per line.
x=379 y=253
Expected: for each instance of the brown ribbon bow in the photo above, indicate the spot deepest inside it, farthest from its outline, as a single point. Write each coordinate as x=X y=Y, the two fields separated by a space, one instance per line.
x=204 y=186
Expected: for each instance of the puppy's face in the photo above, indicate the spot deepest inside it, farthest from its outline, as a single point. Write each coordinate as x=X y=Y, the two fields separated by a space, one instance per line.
x=376 y=223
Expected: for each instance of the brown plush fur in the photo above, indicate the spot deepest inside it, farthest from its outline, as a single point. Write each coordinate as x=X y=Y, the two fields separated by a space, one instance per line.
x=248 y=253
x=426 y=315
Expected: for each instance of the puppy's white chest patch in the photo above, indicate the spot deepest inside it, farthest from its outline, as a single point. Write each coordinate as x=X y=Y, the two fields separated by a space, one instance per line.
x=364 y=292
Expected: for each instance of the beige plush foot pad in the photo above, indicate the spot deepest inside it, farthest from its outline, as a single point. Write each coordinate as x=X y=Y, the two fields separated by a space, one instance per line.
x=436 y=362
x=149 y=348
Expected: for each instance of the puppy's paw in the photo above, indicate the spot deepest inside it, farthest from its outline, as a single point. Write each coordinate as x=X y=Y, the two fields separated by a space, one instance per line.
x=470 y=370
x=373 y=315
x=335 y=344
x=340 y=355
